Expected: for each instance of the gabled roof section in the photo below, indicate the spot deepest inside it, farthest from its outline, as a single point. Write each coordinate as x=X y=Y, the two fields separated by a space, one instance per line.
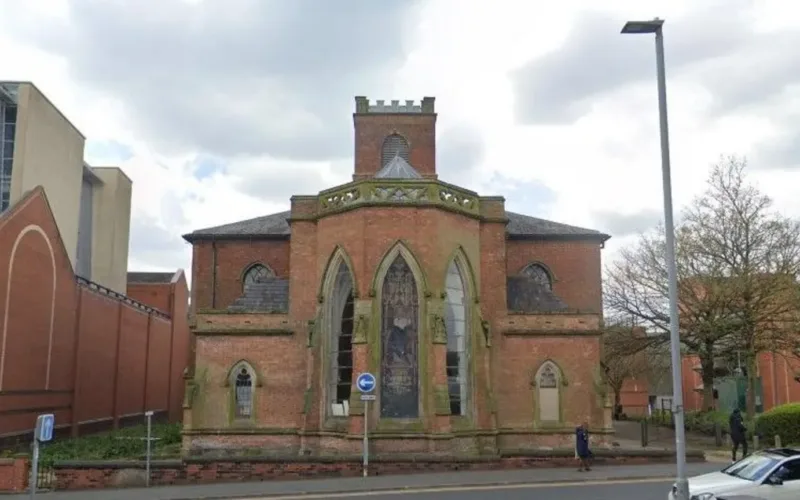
x=276 y=226
x=523 y=227
x=144 y=278
x=398 y=168
x=273 y=226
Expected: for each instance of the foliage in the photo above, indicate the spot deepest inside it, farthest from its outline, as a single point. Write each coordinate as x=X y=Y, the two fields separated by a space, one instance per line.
x=127 y=443
x=617 y=364
x=783 y=421
x=737 y=264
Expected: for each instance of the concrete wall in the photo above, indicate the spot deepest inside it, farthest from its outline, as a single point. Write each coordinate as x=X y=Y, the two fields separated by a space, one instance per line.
x=49 y=153
x=111 y=229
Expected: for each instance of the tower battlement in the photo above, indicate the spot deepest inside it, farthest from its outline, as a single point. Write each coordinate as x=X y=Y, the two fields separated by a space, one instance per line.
x=363 y=105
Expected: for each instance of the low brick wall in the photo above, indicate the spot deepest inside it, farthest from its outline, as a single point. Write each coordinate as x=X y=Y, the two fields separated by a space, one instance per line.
x=13 y=474
x=92 y=475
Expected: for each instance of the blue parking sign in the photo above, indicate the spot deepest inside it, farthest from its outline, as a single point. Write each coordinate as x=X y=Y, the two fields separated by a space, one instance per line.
x=45 y=425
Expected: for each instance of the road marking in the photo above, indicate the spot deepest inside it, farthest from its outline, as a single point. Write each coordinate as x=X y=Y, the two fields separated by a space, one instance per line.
x=456 y=489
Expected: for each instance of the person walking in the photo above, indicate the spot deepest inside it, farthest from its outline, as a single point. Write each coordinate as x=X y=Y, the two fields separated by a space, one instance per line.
x=738 y=433
x=582 y=446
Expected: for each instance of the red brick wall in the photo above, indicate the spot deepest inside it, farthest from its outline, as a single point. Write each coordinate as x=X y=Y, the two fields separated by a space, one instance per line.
x=575 y=266
x=232 y=259
x=98 y=346
x=635 y=397
x=13 y=474
x=371 y=130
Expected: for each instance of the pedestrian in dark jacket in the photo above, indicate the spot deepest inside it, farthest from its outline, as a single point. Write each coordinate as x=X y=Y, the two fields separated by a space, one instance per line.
x=582 y=446
x=738 y=433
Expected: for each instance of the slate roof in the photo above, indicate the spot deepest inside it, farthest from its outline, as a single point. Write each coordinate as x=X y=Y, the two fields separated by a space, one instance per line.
x=276 y=226
x=268 y=295
x=150 y=278
x=398 y=168
x=526 y=295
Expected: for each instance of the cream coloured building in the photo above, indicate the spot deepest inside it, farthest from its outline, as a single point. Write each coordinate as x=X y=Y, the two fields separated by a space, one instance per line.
x=91 y=205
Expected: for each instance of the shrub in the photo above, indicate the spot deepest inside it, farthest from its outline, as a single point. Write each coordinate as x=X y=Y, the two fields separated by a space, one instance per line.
x=783 y=421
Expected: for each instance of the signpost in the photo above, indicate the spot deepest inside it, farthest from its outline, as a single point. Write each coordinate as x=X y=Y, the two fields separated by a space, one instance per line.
x=149 y=416
x=366 y=384
x=45 y=424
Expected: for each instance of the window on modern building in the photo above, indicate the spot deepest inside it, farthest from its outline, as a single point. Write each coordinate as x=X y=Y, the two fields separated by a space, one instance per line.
x=243 y=383
x=394 y=145
x=549 y=396
x=341 y=343
x=8 y=123
x=456 y=323
x=539 y=274
x=256 y=274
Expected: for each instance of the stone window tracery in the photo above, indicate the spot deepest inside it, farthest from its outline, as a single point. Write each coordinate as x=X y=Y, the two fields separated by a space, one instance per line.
x=394 y=145
x=548 y=381
x=399 y=396
x=243 y=383
x=457 y=326
x=256 y=273
x=340 y=378
x=539 y=274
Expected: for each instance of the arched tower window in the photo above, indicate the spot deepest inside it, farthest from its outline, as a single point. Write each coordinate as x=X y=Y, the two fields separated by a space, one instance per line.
x=539 y=274
x=243 y=381
x=456 y=323
x=256 y=274
x=394 y=145
x=340 y=380
x=399 y=397
x=548 y=381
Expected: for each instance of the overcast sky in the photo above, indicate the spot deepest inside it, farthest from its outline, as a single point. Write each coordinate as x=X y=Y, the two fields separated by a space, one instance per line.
x=220 y=110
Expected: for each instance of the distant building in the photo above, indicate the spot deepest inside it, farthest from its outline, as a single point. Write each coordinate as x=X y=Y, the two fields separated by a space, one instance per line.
x=91 y=205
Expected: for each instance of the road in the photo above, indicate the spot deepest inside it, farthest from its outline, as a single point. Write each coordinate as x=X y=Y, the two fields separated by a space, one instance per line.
x=641 y=489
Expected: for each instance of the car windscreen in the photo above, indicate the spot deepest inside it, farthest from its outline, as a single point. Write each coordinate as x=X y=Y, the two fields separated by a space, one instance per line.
x=752 y=468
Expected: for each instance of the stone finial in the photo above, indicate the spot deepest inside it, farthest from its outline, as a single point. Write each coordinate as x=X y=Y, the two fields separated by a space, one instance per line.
x=362 y=104
x=427 y=105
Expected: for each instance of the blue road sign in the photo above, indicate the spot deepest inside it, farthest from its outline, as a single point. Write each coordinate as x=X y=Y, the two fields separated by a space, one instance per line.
x=45 y=424
x=366 y=382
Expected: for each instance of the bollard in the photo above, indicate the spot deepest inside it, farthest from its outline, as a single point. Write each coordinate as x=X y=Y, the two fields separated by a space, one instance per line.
x=645 y=436
x=755 y=442
x=778 y=441
x=717 y=434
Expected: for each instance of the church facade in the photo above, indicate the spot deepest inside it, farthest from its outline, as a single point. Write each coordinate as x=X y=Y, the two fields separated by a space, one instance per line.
x=481 y=326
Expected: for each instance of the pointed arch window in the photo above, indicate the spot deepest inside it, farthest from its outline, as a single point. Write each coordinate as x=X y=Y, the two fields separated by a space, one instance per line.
x=548 y=382
x=399 y=396
x=456 y=323
x=243 y=382
x=256 y=273
x=394 y=145
x=539 y=274
x=340 y=378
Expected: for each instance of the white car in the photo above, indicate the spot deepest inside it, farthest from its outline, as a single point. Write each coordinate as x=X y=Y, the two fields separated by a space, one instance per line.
x=768 y=475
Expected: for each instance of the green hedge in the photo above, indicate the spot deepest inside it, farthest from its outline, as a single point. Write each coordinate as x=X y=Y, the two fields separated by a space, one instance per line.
x=783 y=421
x=702 y=422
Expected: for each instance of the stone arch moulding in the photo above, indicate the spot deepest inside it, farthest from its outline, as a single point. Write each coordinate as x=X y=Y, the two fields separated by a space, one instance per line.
x=231 y=374
x=468 y=272
x=27 y=229
x=249 y=267
x=338 y=256
x=560 y=394
x=541 y=264
x=562 y=378
x=400 y=248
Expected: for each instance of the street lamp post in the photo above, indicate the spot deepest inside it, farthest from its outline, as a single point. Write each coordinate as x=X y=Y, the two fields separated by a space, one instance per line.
x=655 y=26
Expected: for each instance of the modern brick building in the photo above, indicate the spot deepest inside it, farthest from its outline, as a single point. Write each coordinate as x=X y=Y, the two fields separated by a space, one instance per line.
x=481 y=325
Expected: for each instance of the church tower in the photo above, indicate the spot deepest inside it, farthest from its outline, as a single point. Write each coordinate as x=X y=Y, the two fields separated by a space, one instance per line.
x=403 y=135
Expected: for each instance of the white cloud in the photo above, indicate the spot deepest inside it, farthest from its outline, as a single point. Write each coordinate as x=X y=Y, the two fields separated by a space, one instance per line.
x=606 y=161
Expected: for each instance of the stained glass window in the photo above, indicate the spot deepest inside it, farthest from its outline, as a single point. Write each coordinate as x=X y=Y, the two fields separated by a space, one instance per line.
x=457 y=351
x=394 y=145
x=243 y=393
x=340 y=380
x=256 y=274
x=399 y=342
x=539 y=274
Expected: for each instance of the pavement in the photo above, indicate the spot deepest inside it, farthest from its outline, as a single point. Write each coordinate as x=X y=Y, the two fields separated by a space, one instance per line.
x=475 y=484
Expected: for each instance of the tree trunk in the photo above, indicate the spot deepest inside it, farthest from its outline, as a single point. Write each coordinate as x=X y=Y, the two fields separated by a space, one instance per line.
x=707 y=376
x=751 y=385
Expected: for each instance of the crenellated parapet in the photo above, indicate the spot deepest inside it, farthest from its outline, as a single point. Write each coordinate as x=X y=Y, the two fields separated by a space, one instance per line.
x=425 y=106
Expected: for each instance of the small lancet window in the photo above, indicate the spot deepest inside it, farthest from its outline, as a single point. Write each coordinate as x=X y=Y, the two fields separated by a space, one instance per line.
x=539 y=274
x=243 y=394
x=394 y=145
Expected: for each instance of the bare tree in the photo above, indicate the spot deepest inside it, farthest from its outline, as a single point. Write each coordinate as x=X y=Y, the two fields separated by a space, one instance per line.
x=758 y=252
x=619 y=364
x=637 y=286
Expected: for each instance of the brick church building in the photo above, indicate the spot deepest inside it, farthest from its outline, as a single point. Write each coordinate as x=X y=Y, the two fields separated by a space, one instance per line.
x=481 y=325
